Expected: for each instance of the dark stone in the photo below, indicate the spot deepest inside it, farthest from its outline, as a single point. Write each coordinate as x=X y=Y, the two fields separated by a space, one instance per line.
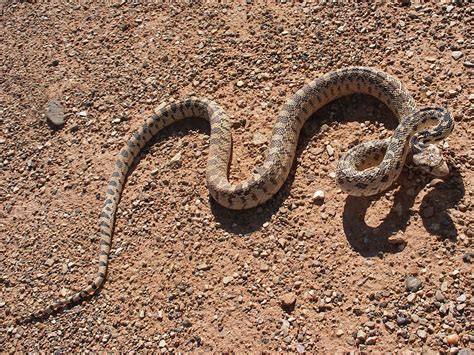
x=55 y=112
x=412 y=284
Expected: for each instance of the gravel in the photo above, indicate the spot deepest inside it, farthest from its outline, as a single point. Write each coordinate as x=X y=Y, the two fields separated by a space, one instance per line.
x=110 y=66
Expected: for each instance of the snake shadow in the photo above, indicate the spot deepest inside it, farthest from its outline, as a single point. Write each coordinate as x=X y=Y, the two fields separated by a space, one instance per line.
x=374 y=241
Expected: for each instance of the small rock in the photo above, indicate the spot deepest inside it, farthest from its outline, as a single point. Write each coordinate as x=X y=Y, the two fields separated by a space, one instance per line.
x=402 y=321
x=421 y=333
x=435 y=182
x=186 y=323
x=176 y=160
x=444 y=286
x=465 y=351
x=203 y=267
x=370 y=324
x=371 y=341
x=55 y=112
x=411 y=297
x=456 y=54
x=258 y=138
x=443 y=310
x=467 y=257
x=240 y=83
x=361 y=336
x=461 y=298
x=397 y=240
x=412 y=284
x=452 y=339
x=300 y=348
x=49 y=262
x=82 y=114
x=330 y=150
x=288 y=300
x=390 y=325
x=162 y=343
x=439 y=296
x=318 y=196
x=285 y=327
x=142 y=313
x=339 y=332
x=227 y=280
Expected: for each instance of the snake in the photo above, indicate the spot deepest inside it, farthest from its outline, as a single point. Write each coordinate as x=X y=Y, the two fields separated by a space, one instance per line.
x=364 y=170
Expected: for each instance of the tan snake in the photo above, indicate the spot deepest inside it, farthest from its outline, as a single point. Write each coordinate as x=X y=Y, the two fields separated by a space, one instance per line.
x=366 y=169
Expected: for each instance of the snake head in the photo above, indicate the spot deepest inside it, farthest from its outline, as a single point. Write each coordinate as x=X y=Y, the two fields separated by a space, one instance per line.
x=431 y=160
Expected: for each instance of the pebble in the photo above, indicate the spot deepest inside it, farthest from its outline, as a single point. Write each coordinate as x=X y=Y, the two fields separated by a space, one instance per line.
x=339 y=332
x=49 y=262
x=443 y=310
x=402 y=320
x=258 y=138
x=240 y=83
x=439 y=296
x=421 y=333
x=465 y=351
x=227 y=280
x=176 y=159
x=288 y=300
x=412 y=284
x=162 y=343
x=452 y=339
x=55 y=112
x=456 y=54
x=444 y=286
x=461 y=298
x=467 y=257
x=203 y=267
x=300 y=348
x=330 y=150
x=318 y=196
x=361 y=336
x=371 y=341
x=390 y=325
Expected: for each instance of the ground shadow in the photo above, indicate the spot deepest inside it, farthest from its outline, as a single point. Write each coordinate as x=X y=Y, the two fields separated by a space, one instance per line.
x=371 y=241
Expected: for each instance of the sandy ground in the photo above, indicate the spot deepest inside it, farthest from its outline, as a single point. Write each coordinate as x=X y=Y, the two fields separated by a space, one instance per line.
x=391 y=272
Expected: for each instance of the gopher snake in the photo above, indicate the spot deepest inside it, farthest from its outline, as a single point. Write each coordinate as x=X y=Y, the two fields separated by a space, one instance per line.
x=364 y=170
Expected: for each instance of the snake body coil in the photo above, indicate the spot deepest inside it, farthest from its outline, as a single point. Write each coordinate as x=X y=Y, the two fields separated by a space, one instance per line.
x=365 y=170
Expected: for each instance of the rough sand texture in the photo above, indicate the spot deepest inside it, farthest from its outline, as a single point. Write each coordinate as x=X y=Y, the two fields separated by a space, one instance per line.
x=185 y=273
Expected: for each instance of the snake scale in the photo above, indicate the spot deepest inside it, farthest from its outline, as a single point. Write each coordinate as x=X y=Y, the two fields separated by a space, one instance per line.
x=366 y=169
